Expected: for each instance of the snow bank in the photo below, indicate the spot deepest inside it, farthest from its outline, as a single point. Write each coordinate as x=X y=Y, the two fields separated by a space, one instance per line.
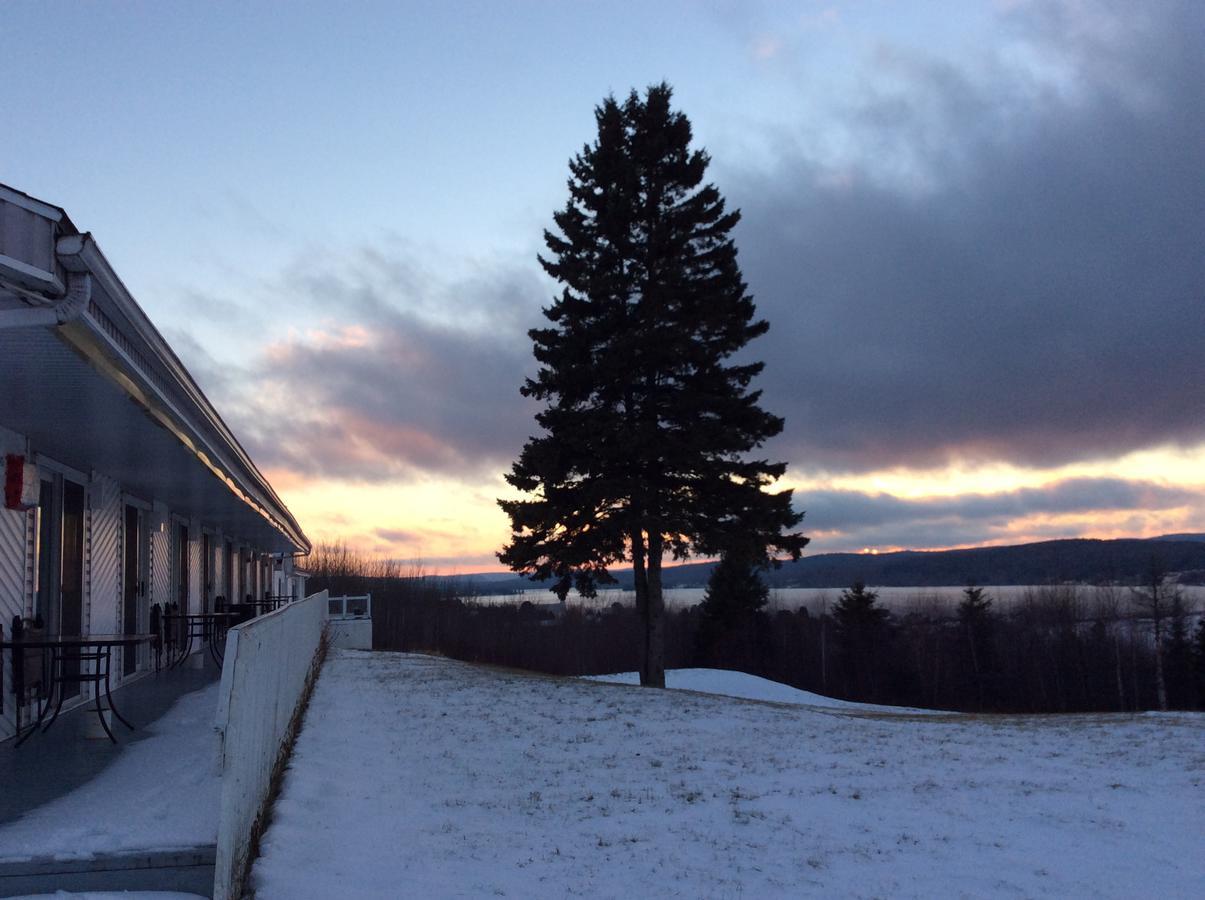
x=416 y=776
x=752 y=687
x=160 y=793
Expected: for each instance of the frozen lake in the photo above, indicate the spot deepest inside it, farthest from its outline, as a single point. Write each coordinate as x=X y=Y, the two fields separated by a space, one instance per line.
x=818 y=600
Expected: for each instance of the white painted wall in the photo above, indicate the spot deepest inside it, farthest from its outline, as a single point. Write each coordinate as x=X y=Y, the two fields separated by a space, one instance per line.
x=351 y=634
x=264 y=673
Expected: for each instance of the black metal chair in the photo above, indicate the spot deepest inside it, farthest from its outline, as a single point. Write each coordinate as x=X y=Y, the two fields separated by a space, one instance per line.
x=243 y=612
x=157 y=631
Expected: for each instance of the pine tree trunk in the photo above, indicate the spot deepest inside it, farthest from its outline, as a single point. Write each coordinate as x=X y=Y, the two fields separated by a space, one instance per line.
x=653 y=674
x=975 y=665
x=823 y=652
x=640 y=583
x=1121 y=694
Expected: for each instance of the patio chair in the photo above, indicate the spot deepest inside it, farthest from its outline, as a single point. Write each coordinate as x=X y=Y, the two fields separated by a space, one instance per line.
x=34 y=663
x=157 y=631
x=243 y=612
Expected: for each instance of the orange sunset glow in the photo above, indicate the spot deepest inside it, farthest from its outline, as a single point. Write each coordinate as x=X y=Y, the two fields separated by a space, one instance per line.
x=455 y=527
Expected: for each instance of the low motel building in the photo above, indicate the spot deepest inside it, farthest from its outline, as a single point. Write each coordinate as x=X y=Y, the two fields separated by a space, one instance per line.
x=123 y=488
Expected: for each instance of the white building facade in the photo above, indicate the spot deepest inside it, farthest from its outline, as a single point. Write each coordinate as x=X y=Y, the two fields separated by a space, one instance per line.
x=123 y=486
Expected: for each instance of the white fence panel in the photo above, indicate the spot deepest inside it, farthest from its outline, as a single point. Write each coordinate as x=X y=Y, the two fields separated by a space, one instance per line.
x=267 y=665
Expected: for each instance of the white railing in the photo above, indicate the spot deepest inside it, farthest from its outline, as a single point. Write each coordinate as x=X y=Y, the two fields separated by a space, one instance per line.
x=269 y=662
x=350 y=622
x=359 y=607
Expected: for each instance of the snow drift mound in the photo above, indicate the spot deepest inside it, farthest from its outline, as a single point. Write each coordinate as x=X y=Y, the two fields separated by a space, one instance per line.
x=752 y=687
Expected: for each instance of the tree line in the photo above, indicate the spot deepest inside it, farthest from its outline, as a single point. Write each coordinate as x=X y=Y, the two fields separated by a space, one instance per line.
x=1057 y=648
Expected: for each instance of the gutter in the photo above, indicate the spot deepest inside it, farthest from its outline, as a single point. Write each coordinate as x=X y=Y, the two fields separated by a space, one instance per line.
x=79 y=254
x=74 y=302
x=135 y=356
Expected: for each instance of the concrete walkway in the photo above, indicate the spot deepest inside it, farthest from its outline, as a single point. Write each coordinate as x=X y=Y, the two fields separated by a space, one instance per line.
x=51 y=765
x=82 y=814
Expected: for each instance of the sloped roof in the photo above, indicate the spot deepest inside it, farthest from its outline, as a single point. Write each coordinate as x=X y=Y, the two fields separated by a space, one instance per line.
x=105 y=390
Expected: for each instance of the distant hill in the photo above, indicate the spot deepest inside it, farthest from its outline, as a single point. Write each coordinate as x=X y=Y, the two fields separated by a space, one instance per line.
x=1082 y=560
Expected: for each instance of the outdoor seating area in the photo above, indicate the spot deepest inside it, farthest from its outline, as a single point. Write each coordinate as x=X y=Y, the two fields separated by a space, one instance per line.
x=195 y=730
x=80 y=813
x=69 y=755
x=50 y=666
x=48 y=672
x=208 y=629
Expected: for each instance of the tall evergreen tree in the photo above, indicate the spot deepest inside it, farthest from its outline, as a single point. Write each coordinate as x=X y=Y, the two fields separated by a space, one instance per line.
x=975 y=617
x=1178 y=653
x=1153 y=598
x=648 y=425
x=728 y=616
x=863 y=633
x=735 y=590
x=1198 y=659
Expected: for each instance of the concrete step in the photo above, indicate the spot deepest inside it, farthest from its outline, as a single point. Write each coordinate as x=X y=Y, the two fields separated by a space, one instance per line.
x=187 y=871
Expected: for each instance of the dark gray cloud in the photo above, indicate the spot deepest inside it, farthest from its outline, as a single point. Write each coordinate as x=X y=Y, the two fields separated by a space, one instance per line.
x=845 y=510
x=847 y=520
x=397 y=535
x=1002 y=262
x=1007 y=261
x=406 y=373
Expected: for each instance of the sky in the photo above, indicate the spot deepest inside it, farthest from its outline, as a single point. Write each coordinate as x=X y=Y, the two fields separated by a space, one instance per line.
x=975 y=229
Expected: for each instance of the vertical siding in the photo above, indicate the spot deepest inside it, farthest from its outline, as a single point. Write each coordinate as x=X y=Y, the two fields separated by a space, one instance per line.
x=161 y=558
x=105 y=560
x=12 y=566
x=15 y=568
x=195 y=586
x=12 y=598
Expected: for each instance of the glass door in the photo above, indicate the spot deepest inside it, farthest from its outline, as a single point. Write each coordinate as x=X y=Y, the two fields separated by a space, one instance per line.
x=71 y=571
x=49 y=530
x=206 y=572
x=133 y=584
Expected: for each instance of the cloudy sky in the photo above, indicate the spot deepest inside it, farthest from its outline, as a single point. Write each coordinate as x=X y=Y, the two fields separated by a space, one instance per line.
x=976 y=229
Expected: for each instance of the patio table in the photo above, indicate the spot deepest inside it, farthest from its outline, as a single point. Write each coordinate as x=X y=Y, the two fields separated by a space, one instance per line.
x=68 y=654
x=211 y=626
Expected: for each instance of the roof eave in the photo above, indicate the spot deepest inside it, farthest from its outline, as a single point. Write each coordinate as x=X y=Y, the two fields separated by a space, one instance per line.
x=80 y=253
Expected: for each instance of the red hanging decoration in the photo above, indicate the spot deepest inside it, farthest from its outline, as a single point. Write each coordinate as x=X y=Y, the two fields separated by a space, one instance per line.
x=20 y=483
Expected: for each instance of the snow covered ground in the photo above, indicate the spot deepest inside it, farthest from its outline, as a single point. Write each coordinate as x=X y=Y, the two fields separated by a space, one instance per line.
x=751 y=687
x=417 y=776
x=161 y=793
